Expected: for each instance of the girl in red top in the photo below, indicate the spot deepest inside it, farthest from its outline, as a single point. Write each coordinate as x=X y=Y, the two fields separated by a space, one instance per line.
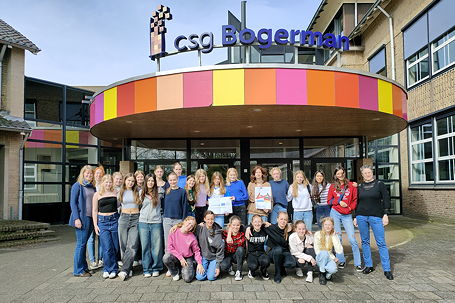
x=343 y=199
x=234 y=248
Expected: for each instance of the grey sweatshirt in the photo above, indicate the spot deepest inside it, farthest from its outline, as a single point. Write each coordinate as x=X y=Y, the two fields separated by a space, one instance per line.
x=211 y=242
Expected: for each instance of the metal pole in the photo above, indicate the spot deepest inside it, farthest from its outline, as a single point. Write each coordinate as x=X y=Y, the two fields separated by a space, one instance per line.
x=199 y=56
x=392 y=41
x=243 y=26
x=158 y=65
x=296 y=55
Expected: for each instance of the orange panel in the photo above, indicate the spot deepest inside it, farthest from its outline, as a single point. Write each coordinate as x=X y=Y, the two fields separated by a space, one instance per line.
x=260 y=86
x=397 y=97
x=169 y=92
x=321 y=87
x=145 y=95
x=53 y=135
x=347 y=90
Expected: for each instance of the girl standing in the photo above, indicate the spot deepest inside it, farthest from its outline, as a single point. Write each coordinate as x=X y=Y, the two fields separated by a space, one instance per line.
x=325 y=241
x=118 y=181
x=105 y=222
x=94 y=262
x=218 y=190
x=178 y=170
x=129 y=218
x=374 y=203
x=235 y=247
x=151 y=229
x=140 y=179
x=161 y=184
x=319 y=192
x=301 y=245
x=183 y=250
x=279 y=192
x=209 y=235
x=299 y=193
x=343 y=199
x=201 y=190
x=239 y=193
x=81 y=218
x=258 y=179
x=257 y=259
x=189 y=188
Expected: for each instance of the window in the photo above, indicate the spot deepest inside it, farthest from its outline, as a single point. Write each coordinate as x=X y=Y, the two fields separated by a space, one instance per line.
x=446 y=148
x=443 y=52
x=421 y=152
x=377 y=63
x=417 y=67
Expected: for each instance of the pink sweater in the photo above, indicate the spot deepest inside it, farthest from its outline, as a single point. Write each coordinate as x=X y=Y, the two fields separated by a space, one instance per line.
x=184 y=246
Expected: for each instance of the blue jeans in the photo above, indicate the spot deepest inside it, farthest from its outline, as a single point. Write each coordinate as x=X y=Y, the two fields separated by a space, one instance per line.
x=108 y=238
x=91 y=248
x=151 y=236
x=276 y=209
x=220 y=220
x=364 y=223
x=250 y=218
x=326 y=264
x=322 y=211
x=349 y=228
x=306 y=216
x=209 y=270
x=82 y=235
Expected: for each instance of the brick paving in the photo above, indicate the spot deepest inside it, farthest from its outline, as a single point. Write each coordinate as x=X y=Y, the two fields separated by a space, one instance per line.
x=423 y=265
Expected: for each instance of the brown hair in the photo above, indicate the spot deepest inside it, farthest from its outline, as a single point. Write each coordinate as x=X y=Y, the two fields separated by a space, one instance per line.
x=190 y=197
x=336 y=181
x=263 y=171
x=315 y=184
x=212 y=185
x=153 y=192
x=137 y=200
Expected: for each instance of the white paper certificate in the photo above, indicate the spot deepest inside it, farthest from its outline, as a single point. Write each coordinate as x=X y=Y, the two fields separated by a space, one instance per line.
x=220 y=206
x=263 y=197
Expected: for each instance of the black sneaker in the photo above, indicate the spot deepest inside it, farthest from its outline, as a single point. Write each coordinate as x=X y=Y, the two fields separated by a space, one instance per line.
x=342 y=265
x=388 y=275
x=367 y=270
x=359 y=268
x=277 y=279
x=265 y=275
x=322 y=279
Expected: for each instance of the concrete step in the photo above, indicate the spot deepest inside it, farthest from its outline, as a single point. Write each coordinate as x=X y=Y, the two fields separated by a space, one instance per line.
x=17 y=225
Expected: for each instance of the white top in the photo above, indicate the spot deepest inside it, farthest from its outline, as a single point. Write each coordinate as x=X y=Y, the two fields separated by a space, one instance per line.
x=303 y=200
x=335 y=240
x=296 y=246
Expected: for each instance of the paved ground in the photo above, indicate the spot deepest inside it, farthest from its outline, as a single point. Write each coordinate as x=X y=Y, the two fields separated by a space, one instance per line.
x=423 y=261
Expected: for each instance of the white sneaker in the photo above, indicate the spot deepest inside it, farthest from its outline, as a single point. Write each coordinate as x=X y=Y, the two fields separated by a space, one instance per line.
x=328 y=276
x=176 y=277
x=100 y=263
x=105 y=275
x=299 y=272
x=309 y=277
x=250 y=274
x=168 y=274
x=120 y=263
x=238 y=276
x=231 y=271
x=131 y=273
x=122 y=275
x=156 y=274
x=147 y=275
x=93 y=265
x=112 y=275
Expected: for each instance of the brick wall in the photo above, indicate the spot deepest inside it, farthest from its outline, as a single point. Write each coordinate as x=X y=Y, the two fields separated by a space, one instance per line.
x=10 y=177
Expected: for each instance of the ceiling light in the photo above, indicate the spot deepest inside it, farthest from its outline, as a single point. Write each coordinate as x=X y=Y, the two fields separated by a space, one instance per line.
x=129 y=121
x=197 y=131
x=249 y=126
x=257 y=110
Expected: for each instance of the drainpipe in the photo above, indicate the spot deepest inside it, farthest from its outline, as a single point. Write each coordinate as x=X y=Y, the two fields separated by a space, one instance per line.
x=21 y=173
x=392 y=41
x=2 y=54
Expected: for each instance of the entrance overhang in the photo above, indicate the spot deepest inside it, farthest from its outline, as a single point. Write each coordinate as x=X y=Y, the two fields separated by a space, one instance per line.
x=263 y=100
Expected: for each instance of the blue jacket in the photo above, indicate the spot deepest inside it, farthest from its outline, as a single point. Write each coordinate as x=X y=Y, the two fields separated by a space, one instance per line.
x=77 y=203
x=238 y=190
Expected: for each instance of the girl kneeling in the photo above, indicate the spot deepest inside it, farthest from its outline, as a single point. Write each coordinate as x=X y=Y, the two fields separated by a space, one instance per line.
x=324 y=241
x=301 y=245
x=182 y=251
x=257 y=259
x=209 y=235
x=235 y=248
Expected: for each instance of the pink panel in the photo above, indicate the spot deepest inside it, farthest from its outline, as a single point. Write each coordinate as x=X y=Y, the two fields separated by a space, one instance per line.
x=99 y=109
x=197 y=89
x=368 y=93
x=37 y=134
x=291 y=87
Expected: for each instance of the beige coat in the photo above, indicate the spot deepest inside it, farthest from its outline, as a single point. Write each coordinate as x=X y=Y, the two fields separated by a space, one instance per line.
x=251 y=205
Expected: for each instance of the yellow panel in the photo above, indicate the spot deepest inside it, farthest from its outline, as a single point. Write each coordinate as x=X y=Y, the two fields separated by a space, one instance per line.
x=110 y=103
x=72 y=136
x=228 y=87
x=385 y=100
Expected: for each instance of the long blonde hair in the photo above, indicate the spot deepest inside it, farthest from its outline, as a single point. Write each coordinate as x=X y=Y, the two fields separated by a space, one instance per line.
x=295 y=185
x=80 y=178
x=189 y=218
x=212 y=185
x=326 y=246
x=232 y=169
x=137 y=200
x=103 y=189
x=200 y=172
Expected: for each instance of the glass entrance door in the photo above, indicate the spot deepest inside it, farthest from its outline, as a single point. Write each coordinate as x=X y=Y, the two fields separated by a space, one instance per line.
x=328 y=167
x=287 y=167
x=213 y=165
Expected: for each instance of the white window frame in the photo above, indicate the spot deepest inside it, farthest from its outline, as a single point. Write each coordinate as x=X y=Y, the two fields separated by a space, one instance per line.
x=434 y=50
x=33 y=176
x=408 y=66
x=422 y=141
x=436 y=156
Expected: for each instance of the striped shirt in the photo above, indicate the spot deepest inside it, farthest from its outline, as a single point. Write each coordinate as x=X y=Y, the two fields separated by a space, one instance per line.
x=324 y=194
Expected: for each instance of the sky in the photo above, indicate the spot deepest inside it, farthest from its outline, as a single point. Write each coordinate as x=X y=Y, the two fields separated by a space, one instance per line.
x=99 y=42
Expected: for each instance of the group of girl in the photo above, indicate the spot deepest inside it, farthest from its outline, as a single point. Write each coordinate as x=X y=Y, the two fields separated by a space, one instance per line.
x=145 y=218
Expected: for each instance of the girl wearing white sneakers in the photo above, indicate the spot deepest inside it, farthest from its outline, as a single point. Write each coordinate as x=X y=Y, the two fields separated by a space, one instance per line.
x=301 y=246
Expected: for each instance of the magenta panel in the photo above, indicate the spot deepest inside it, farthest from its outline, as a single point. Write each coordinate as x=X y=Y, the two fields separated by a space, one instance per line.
x=368 y=93
x=197 y=89
x=99 y=109
x=291 y=87
x=37 y=134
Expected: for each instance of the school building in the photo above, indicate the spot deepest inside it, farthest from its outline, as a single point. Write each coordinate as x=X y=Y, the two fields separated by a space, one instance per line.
x=386 y=100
